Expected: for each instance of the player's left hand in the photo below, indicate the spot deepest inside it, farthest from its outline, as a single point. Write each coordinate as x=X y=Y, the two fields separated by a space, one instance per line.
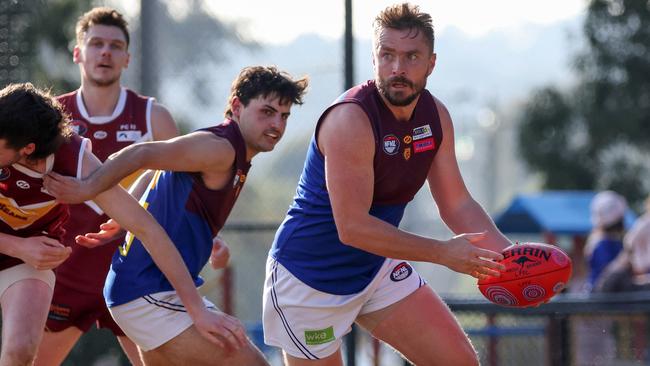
x=109 y=231
x=220 y=254
x=67 y=189
x=221 y=329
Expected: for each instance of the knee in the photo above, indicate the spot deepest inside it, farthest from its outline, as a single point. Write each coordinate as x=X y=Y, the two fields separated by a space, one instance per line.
x=19 y=354
x=468 y=356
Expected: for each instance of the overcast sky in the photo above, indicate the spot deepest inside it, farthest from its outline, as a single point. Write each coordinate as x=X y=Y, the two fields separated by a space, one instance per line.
x=280 y=21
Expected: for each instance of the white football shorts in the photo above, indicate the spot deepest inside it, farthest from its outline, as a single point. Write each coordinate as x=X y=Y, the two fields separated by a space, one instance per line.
x=24 y=271
x=152 y=320
x=309 y=324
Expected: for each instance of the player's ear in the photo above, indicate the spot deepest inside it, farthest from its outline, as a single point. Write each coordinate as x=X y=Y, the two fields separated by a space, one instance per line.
x=432 y=63
x=76 y=54
x=128 y=58
x=28 y=149
x=235 y=107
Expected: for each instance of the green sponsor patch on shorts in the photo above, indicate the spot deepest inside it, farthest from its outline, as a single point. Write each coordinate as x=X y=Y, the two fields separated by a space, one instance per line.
x=319 y=336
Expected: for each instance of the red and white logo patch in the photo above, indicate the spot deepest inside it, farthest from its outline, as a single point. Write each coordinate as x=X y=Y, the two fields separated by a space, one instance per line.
x=424 y=145
x=401 y=272
x=391 y=144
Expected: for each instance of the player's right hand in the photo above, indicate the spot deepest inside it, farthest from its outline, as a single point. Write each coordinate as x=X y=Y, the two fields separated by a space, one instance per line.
x=109 y=231
x=221 y=329
x=42 y=252
x=460 y=255
x=67 y=189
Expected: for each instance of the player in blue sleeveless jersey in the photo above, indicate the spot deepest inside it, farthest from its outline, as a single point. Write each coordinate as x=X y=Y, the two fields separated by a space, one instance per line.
x=339 y=256
x=199 y=179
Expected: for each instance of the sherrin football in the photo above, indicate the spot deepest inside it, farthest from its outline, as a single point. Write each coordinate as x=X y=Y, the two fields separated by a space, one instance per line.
x=534 y=273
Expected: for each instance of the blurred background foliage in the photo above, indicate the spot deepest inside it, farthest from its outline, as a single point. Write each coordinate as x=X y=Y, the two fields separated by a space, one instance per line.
x=596 y=135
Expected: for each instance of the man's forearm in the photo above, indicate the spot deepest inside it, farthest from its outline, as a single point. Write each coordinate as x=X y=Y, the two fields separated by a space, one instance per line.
x=114 y=169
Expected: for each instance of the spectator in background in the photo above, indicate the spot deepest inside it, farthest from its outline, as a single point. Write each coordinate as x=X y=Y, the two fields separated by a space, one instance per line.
x=605 y=241
x=637 y=243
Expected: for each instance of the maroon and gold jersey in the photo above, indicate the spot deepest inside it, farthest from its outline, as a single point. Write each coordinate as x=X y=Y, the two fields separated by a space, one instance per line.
x=26 y=209
x=129 y=123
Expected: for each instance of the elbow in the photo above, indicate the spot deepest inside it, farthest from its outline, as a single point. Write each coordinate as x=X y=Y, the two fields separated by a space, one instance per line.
x=348 y=232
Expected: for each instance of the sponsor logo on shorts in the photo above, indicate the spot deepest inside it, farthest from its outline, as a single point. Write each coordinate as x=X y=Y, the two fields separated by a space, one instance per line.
x=5 y=173
x=319 y=336
x=59 y=312
x=100 y=135
x=424 y=145
x=422 y=132
x=401 y=272
x=391 y=144
x=128 y=135
x=79 y=127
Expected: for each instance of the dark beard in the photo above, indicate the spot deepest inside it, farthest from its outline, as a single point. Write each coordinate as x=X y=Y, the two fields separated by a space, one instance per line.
x=383 y=86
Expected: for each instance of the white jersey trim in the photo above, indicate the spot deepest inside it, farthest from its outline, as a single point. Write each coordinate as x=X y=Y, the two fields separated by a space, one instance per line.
x=100 y=120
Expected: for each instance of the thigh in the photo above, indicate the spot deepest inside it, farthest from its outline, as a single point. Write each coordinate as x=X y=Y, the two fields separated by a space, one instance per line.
x=305 y=323
x=24 y=309
x=334 y=359
x=439 y=339
x=131 y=350
x=55 y=346
x=191 y=348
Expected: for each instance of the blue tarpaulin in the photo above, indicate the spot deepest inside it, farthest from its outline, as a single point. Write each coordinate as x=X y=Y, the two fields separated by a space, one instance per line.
x=558 y=212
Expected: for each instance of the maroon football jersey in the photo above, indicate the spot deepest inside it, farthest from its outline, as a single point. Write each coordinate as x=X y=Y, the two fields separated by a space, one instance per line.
x=26 y=209
x=129 y=123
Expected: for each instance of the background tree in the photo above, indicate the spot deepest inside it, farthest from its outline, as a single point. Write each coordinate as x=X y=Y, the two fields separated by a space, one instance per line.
x=597 y=135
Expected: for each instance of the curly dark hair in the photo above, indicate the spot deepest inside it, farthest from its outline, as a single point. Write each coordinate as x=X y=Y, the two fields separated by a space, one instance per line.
x=405 y=16
x=101 y=16
x=255 y=81
x=29 y=115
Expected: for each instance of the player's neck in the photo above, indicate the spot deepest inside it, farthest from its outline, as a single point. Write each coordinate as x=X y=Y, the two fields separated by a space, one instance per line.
x=100 y=100
x=39 y=165
x=401 y=113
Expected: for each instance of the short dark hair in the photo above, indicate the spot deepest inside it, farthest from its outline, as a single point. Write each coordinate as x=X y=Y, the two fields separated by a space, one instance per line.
x=102 y=16
x=29 y=115
x=405 y=16
x=255 y=81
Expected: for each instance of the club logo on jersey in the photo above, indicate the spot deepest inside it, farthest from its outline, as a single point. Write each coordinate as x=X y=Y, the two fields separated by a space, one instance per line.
x=22 y=184
x=79 y=127
x=424 y=145
x=100 y=135
x=391 y=144
x=5 y=173
x=422 y=132
x=407 y=153
x=123 y=136
x=407 y=139
x=401 y=272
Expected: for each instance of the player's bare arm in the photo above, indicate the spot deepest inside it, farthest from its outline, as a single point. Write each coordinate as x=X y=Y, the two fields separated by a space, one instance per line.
x=347 y=142
x=111 y=230
x=195 y=152
x=162 y=123
x=458 y=209
x=124 y=209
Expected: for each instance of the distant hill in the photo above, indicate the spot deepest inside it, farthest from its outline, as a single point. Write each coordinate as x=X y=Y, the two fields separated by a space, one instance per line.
x=471 y=71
